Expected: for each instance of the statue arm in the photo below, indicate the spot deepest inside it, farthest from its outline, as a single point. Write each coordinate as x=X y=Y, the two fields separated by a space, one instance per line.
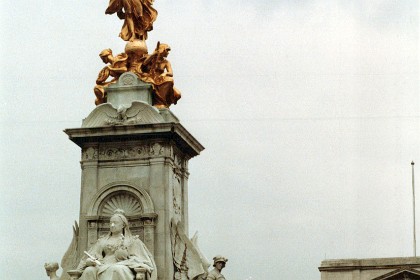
x=140 y=256
x=95 y=251
x=150 y=58
x=120 y=64
x=168 y=68
x=103 y=75
x=121 y=69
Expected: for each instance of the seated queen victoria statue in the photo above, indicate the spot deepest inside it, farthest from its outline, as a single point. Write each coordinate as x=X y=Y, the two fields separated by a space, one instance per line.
x=117 y=255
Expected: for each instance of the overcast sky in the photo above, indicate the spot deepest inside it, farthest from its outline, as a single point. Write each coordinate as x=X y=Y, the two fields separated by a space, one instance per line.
x=309 y=111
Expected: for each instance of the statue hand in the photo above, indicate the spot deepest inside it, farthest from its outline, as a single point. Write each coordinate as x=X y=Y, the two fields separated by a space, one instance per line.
x=121 y=254
x=90 y=262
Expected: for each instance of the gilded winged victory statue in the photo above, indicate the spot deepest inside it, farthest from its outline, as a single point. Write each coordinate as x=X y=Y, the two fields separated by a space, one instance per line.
x=138 y=16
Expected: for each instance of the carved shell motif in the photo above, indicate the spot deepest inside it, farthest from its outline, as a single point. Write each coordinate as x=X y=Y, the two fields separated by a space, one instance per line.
x=124 y=201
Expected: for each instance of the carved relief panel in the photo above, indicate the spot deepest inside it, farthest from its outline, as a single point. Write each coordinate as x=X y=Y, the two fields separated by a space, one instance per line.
x=176 y=182
x=89 y=153
x=124 y=151
x=131 y=151
x=177 y=196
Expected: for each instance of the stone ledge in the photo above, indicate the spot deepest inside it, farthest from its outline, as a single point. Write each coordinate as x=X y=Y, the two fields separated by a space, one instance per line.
x=365 y=264
x=173 y=131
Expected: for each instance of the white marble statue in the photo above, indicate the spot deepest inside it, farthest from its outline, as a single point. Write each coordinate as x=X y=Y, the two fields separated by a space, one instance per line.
x=219 y=264
x=51 y=269
x=115 y=256
x=189 y=261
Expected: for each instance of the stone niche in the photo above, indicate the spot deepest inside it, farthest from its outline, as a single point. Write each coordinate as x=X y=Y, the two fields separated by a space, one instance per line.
x=138 y=209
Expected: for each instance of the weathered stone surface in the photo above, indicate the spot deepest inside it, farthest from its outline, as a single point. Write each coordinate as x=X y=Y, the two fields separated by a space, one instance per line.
x=134 y=157
x=142 y=169
x=370 y=269
x=168 y=116
x=135 y=113
x=129 y=88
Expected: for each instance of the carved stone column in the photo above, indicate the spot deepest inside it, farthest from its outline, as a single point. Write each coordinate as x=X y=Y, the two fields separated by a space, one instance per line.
x=149 y=231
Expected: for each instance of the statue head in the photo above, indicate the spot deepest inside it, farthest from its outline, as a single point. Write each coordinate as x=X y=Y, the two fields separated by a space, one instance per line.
x=119 y=222
x=219 y=262
x=51 y=267
x=104 y=55
x=163 y=49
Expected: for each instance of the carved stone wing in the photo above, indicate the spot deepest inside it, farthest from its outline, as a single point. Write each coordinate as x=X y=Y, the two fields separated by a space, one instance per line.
x=204 y=260
x=141 y=113
x=100 y=116
x=137 y=113
x=185 y=254
x=69 y=260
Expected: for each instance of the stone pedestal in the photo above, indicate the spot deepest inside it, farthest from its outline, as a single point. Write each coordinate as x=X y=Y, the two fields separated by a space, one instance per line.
x=138 y=164
x=128 y=89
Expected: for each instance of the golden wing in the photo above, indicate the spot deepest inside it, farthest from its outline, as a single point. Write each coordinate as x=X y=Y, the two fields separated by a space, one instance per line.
x=113 y=7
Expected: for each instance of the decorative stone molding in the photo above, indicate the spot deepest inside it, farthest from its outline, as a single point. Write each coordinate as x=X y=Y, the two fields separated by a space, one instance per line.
x=90 y=153
x=140 y=273
x=371 y=269
x=179 y=163
x=92 y=232
x=148 y=235
x=124 y=201
x=125 y=114
x=133 y=152
x=128 y=80
x=177 y=196
x=137 y=191
x=181 y=138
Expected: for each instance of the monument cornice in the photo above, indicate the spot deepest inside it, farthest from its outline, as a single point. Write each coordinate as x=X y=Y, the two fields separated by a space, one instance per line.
x=173 y=131
x=369 y=264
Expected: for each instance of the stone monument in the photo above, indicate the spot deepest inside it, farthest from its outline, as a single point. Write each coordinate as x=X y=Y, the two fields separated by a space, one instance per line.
x=219 y=263
x=133 y=219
